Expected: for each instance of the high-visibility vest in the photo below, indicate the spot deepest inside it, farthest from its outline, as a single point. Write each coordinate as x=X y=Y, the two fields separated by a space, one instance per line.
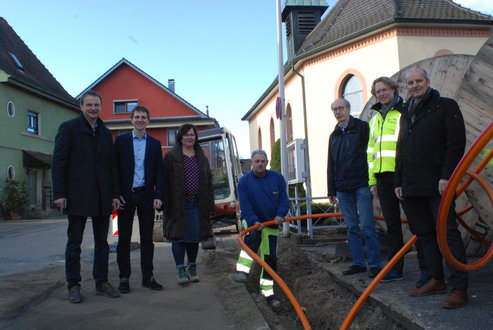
x=382 y=143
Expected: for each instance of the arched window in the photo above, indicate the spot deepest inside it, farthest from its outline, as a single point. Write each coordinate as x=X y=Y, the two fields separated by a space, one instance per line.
x=289 y=124
x=352 y=91
x=259 y=138
x=272 y=133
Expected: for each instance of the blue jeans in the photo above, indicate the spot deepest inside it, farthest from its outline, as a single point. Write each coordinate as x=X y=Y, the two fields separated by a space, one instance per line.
x=357 y=206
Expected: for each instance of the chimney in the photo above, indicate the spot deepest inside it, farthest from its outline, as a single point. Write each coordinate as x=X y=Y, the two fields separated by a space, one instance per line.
x=301 y=17
x=171 y=85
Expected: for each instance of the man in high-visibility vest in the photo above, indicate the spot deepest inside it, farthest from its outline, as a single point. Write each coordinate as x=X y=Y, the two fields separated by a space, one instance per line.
x=263 y=197
x=384 y=131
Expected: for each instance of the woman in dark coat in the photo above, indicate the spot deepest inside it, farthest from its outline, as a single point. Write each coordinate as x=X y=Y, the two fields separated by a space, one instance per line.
x=188 y=201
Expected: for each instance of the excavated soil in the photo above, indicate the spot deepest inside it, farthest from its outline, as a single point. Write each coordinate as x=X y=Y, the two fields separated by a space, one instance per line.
x=325 y=300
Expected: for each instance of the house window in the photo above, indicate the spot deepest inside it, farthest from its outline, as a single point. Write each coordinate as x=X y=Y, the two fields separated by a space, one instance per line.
x=353 y=92
x=259 y=138
x=32 y=122
x=10 y=172
x=172 y=136
x=289 y=124
x=124 y=106
x=16 y=61
x=11 y=109
x=272 y=133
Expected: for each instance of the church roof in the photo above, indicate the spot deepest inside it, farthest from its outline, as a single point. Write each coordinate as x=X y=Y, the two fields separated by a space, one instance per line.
x=350 y=18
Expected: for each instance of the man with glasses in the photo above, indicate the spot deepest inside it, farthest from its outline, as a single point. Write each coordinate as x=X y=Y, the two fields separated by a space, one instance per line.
x=347 y=174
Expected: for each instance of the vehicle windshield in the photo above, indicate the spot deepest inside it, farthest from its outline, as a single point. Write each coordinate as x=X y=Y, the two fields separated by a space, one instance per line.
x=217 y=160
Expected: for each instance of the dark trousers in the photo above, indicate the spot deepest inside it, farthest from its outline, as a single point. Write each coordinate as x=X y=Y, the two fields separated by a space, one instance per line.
x=392 y=213
x=75 y=232
x=145 y=212
x=422 y=213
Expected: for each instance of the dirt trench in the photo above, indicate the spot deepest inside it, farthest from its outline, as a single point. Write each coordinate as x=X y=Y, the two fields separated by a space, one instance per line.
x=325 y=300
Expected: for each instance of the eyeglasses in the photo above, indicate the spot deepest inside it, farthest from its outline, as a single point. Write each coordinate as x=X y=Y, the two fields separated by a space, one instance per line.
x=189 y=135
x=338 y=109
x=383 y=90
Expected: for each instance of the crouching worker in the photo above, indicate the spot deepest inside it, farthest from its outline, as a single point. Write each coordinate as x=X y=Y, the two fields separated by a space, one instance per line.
x=263 y=197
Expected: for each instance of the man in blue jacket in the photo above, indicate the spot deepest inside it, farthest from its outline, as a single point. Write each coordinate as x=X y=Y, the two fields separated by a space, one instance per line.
x=140 y=173
x=263 y=197
x=347 y=174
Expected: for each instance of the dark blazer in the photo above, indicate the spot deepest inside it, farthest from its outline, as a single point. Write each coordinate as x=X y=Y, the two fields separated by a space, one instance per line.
x=347 y=165
x=174 y=202
x=153 y=166
x=82 y=168
x=430 y=147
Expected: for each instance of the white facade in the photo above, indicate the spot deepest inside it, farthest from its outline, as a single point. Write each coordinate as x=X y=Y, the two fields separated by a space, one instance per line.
x=325 y=74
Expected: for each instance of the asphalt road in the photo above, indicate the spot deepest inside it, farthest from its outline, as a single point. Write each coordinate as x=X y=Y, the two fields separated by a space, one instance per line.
x=33 y=292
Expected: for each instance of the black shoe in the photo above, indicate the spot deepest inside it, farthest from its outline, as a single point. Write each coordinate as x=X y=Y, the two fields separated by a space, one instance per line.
x=107 y=290
x=74 y=295
x=151 y=284
x=274 y=303
x=373 y=272
x=423 y=279
x=354 y=269
x=124 y=285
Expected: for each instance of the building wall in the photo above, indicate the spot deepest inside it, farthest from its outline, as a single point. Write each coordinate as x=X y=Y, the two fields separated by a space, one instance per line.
x=138 y=87
x=380 y=55
x=14 y=136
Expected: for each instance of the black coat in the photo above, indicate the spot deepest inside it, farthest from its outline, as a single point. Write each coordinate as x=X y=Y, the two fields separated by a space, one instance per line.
x=429 y=148
x=82 y=168
x=153 y=166
x=347 y=167
x=174 y=202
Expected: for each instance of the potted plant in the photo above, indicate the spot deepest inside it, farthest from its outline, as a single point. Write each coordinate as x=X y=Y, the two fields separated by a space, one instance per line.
x=16 y=199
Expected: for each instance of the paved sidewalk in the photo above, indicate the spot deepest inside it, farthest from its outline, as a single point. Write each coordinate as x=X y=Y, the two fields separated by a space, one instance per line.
x=418 y=312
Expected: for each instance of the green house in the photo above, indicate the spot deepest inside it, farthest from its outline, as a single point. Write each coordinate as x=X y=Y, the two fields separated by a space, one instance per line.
x=32 y=106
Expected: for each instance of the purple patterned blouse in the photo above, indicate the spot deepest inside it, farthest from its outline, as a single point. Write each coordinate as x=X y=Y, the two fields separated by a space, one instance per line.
x=192 y=181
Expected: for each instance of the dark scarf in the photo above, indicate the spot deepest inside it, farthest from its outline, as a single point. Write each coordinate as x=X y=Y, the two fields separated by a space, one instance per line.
x=385 y=109
x=413 y=105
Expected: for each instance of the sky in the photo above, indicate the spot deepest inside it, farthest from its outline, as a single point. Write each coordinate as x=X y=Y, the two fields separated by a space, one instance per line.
x=221 y=53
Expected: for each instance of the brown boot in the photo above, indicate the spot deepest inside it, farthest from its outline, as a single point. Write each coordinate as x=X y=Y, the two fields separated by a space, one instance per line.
x=433 y=286
x=455 y=299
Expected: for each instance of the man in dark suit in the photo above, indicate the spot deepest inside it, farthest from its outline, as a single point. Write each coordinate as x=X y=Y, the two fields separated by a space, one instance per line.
x=140 y=173
x=85 y=185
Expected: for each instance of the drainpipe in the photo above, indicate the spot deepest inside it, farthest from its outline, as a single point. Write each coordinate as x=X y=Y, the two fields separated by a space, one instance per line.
x=307 y=153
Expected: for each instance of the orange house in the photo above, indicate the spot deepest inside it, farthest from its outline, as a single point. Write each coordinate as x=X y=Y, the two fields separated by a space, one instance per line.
x=125 y=86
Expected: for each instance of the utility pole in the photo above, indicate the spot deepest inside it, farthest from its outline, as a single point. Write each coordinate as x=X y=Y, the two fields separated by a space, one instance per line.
x=280 y=79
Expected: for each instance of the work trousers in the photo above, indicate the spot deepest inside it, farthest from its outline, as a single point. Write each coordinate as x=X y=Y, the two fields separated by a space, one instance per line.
x=422 y=213
x=145 y=212
x=266 y=240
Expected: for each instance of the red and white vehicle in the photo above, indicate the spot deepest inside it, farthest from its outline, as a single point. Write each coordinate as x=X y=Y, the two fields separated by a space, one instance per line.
x=219 y=146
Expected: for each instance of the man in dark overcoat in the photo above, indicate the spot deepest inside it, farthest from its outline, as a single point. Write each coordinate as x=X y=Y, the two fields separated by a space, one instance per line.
x=85 y=185
x=432 y=139
x=139 y=163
